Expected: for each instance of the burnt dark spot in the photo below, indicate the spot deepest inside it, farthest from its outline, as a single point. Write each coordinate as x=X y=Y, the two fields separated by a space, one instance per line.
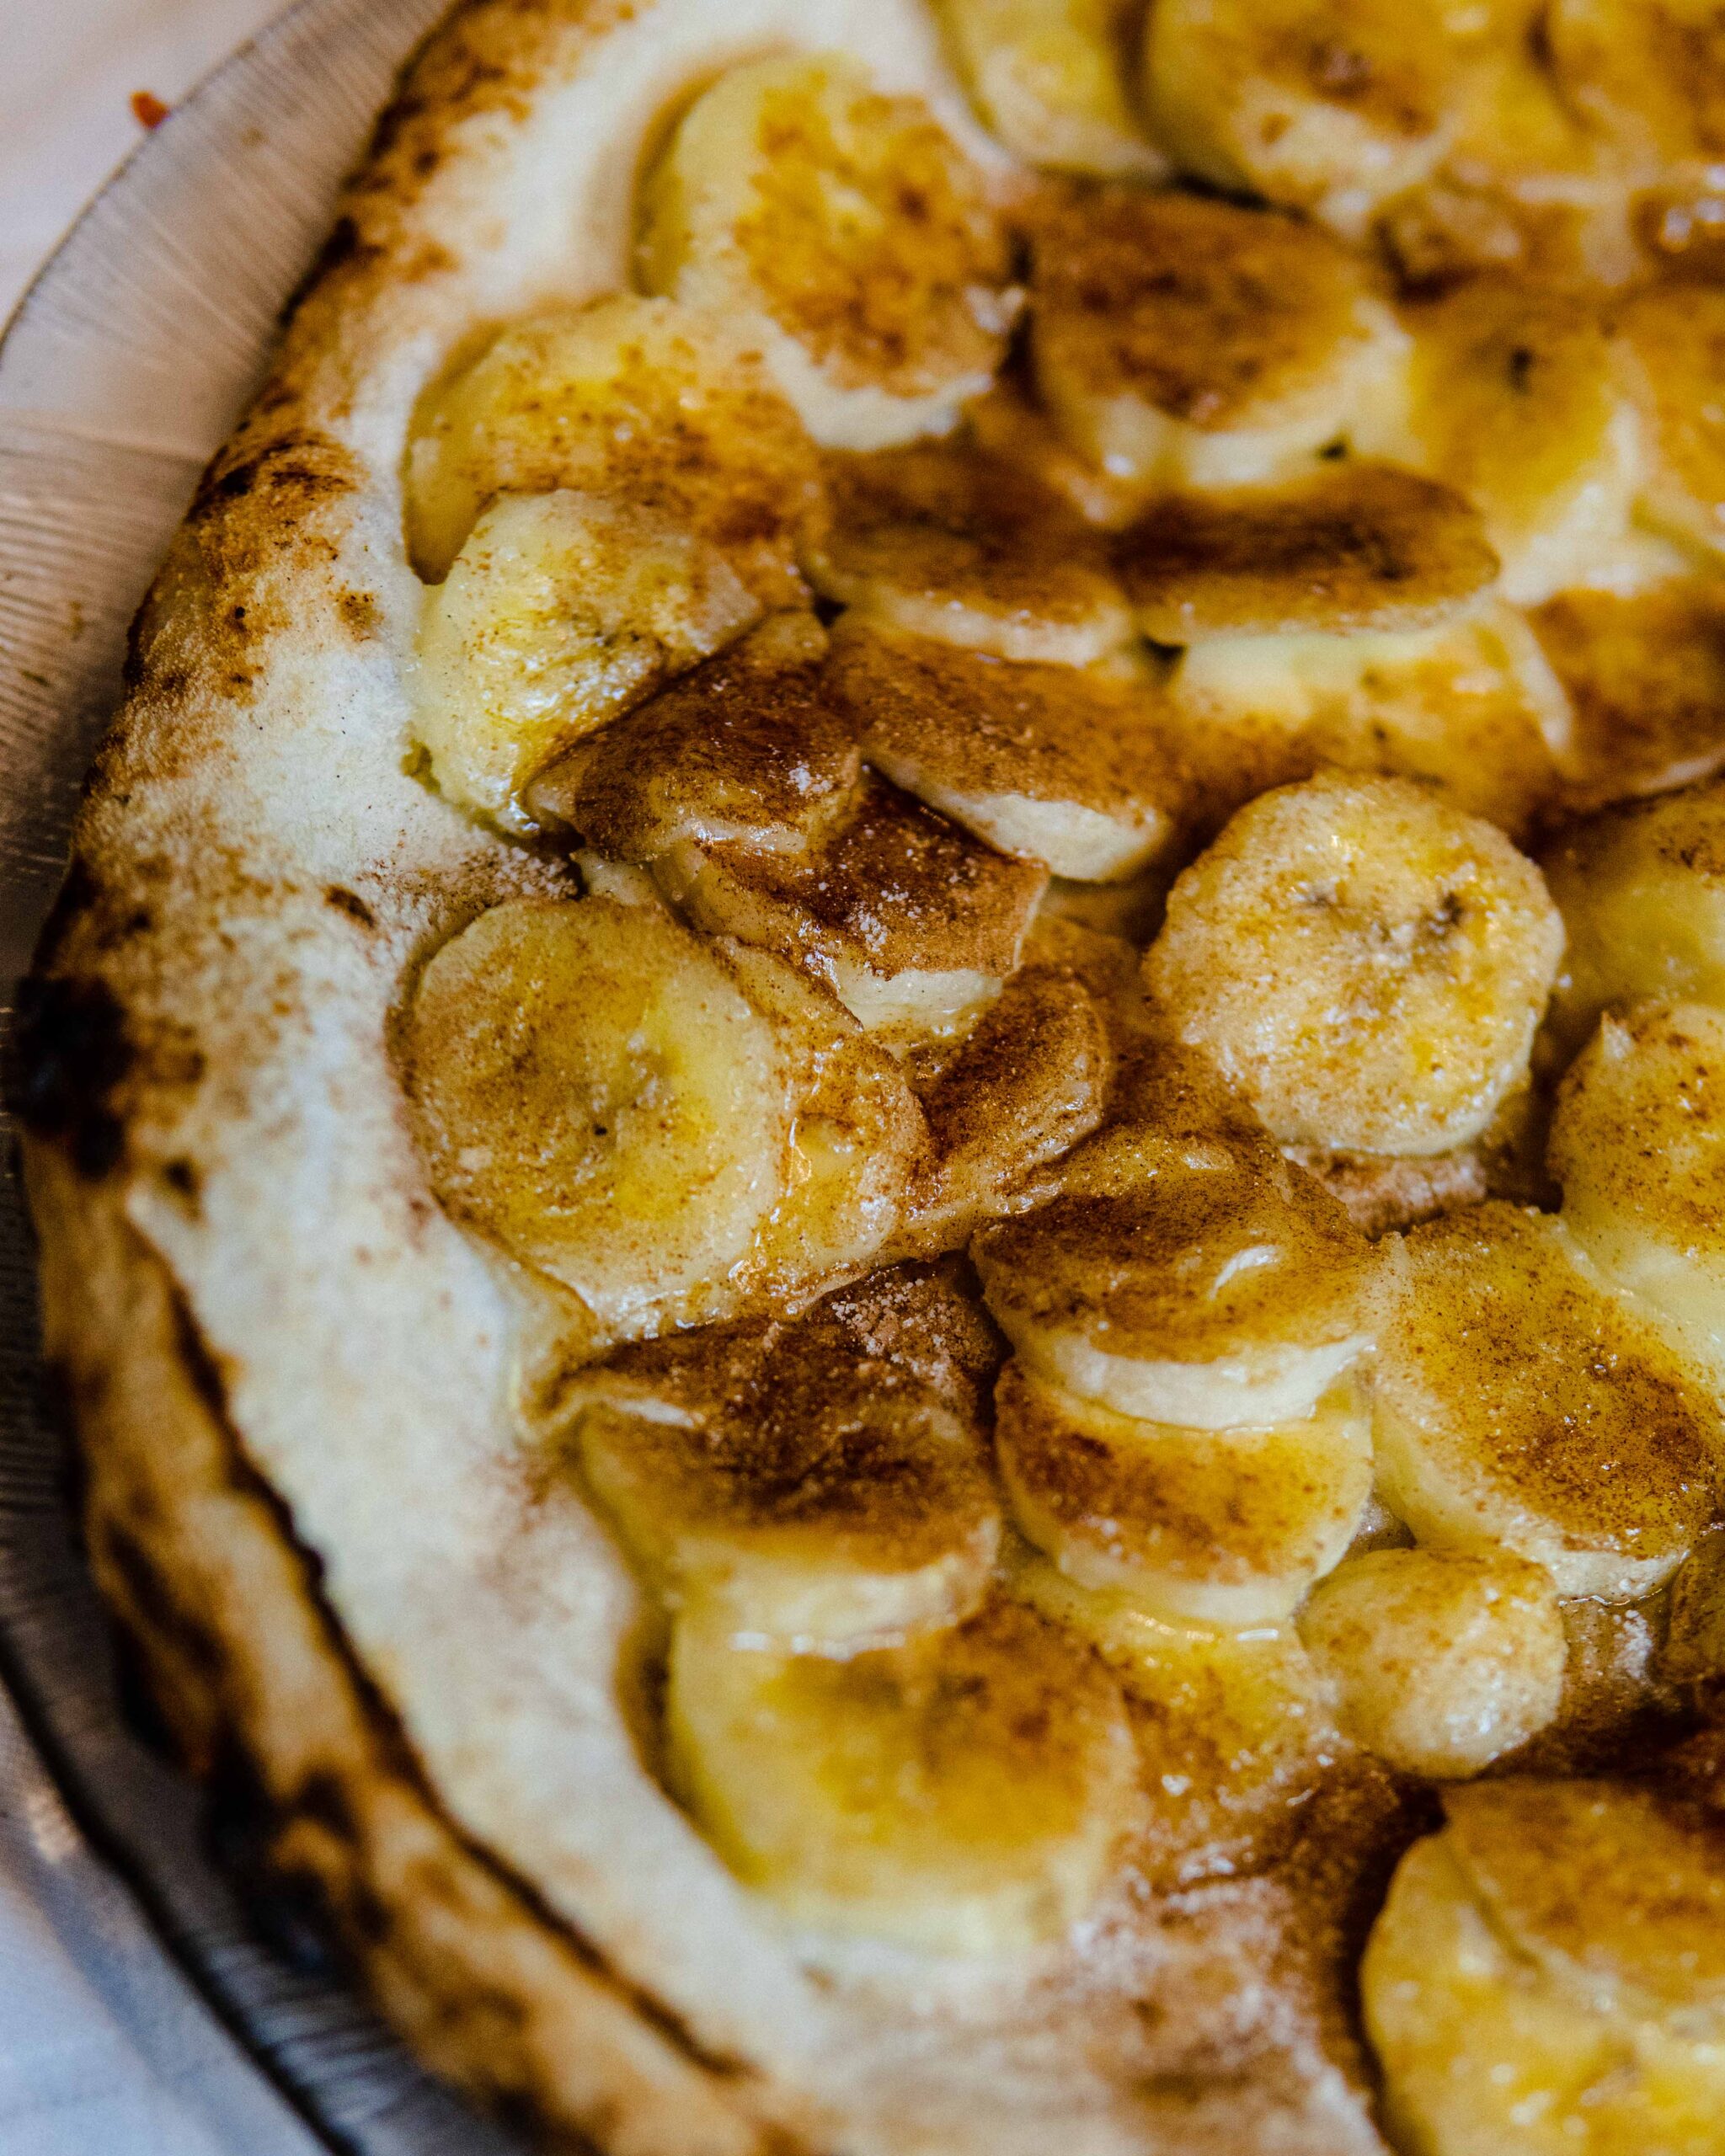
x=1521 y=369
x=349 y=903
x=321 y=1799
x=182 y=1177
x=134 y=1696
x=154 y=1602
x=359 y=614
x=343 y=246
x=70 y=1054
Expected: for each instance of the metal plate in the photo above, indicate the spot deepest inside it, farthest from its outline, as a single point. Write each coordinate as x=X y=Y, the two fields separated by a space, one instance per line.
x=128 y=362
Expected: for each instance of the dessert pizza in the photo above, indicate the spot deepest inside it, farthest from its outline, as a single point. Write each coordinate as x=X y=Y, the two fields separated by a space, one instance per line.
x=879 y=1116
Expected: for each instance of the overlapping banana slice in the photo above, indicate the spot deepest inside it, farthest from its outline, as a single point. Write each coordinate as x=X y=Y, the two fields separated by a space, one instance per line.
x=1517 y=398
x=1644 y=677
x=560 y=610
x=1641 y=889
x=1638 y=1145
x=1647 y=76
x=1367 y=964
x=1518 y=1407
x=843 y=229
x=1050 y=81
x=639 y=400
x=1331 y=109
x=968 y=1794
x=749 y=746
x=813 y=1490
x=1180 y=341
x=1675 y=336
x=1352 y=546
x=1028 y=1082
x=941 y=540
x=1192 y=1281
x=1012 y=427
x=1215 y=1527
x=1070 y=766
x=1545 y=1975
x=913 y=923
x=1441 y=1663
x=1233 y=1726
x=595 y=1092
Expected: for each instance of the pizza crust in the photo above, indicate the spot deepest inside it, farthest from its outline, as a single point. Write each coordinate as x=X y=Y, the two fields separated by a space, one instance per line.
x=293 y=1375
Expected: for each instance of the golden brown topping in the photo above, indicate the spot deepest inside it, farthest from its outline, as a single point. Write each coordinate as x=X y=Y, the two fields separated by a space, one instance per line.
x=1067 y=766
x=1676 y=335
x=638 y=400
x=943 y=541
x=1518 y=1407
x=1357 y=546
x=1049 y=77
x=1649 y=75
x=752 y=745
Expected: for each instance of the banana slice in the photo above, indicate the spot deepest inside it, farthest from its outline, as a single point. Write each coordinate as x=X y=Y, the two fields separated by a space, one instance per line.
x=1233 y=1726
x=911 y=922
x=858 y=1141
x=1649 y=79
x=1327 y=108
x=1191 y=1282
x=1473 y=706
x=1642 y=889
x=593 y=1092
x=1441 y=1663
x=966 y=1794
x=942 y=540
x=1518 y=1407
x=1212 y=1527
x=1066 y=766
x=1483 y=2054
x=750 y=746
x=1179 y=341
x=844 y=230
x=1517 y=399
x=1353 y=546
x=1050 y=81
x=1013 y=429
x=1644 y=677
x=636 y=399
x=1692 y=1653
x=1638 y=1145
x=1028 y=1084
x=813 y=1490
x=560 y=611
x=1367 y=964
x=1675 y=336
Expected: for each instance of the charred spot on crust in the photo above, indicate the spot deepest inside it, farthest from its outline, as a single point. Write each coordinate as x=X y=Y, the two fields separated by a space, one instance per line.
x=70 y=1054
x=349 y=903
x=154 y=1602
x=359 y=614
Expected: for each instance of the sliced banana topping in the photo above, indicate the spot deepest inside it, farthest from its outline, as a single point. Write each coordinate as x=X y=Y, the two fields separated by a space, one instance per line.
x=1188 y=1282
x=1215 y=1526
x=1233 y=1726
x=1367 y=964
x=1638 y=1145
x=818 y=1486
x=1180 y=341
x=858 y=1142
x=1472 y=705
x=639 y=400
x=1642 y=892
x=1029 y=1081
x=1517 y=399
x=1644 y=677
x=1328 y=108
x=750 y=746
x=1353 y=546
x=910 y=920
x=560 y=610
x=1648 y=75
x=844 y=230
x=1048 y=76
x=1441 y=1663
x=1518 y=1407
x=595 y=1093
x=968 y=1794
x=1675 y=336
x=941 y=540
x=1065 y=766
x=1483 y=2051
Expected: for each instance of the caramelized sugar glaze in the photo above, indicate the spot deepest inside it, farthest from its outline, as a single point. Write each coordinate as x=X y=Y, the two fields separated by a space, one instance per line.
x=1137 y=1282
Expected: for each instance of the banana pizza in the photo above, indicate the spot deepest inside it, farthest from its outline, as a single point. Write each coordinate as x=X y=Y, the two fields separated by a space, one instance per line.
x=878 y=1116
